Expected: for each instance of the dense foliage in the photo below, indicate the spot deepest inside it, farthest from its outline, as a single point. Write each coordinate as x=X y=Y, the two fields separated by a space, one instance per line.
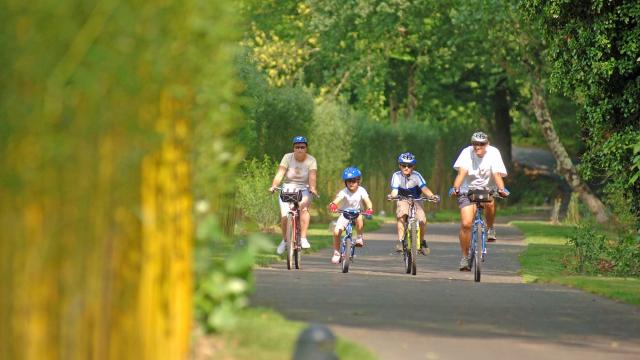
x=106 y=108
x=594 y=53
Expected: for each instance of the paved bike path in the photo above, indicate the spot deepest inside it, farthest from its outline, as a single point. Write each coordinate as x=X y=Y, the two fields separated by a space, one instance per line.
x=441 y=313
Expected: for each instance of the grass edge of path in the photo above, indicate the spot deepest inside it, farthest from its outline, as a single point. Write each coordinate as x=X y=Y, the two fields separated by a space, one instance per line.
x=542 y=261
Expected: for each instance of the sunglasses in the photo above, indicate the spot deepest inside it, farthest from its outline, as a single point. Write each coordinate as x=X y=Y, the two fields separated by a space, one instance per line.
x=353 y=180
x=479 y=144
x=406 y=166
x=300 y=147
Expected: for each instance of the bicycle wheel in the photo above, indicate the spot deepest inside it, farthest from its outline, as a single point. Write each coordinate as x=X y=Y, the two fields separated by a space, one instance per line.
x=346 y=254
x=291 y=233
x=477 y=253
x=406 y=254
x=297 y=248
x=414 y=247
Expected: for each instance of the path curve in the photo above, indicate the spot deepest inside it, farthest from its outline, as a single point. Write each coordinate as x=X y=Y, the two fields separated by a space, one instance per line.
x=441 y=313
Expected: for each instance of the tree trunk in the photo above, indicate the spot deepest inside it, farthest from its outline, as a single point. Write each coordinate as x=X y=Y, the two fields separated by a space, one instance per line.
x=412 y=101
x=503 y=121
x=564 y=164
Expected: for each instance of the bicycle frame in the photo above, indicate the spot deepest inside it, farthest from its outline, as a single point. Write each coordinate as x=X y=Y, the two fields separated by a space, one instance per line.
x=293 y=232
x=347 y=243
x=411 y=239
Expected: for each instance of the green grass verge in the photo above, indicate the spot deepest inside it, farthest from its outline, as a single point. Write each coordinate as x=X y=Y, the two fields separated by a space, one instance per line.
x=543 y=261
x=262 y=334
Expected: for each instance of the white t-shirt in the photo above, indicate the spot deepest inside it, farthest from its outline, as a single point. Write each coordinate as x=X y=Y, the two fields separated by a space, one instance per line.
x=351 y=200
x=297 y=173
x=480 y=169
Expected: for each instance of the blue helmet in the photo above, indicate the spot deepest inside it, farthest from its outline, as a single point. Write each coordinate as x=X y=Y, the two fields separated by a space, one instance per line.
x=406 y=158
x=351 y=173
x=299 y=139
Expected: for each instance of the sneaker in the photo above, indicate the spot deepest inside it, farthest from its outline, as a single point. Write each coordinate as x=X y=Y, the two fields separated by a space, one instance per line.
x=336 y=257
x=398 y=247
x=305 y=243
x=491 y=235
x=464 y=264
x=359 y=241
x=281 y=247
x=424 y=248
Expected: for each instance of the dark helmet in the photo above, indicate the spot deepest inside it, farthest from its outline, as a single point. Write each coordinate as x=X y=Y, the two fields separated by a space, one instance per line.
x=479 y=137
x=299 y=139
x=351 y=173
x=407 y=158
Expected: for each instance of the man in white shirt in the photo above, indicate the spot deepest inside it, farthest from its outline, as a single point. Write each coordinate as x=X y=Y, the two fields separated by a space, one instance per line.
x=479 y=166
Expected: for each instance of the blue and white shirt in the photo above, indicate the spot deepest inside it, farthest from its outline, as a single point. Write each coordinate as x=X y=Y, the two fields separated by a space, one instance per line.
x=408 y=186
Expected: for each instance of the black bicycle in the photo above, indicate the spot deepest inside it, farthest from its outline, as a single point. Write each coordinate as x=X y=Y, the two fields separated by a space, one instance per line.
x=411 y=238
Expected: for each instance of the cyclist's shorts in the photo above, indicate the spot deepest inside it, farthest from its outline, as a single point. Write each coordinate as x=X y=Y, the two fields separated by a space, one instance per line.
x=463 y=201
x=342 y=222
x=402 y=209
x=304 y=204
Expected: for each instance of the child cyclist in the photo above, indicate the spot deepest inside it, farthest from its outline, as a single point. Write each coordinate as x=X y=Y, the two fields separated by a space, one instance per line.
x=351 y=197
x=408 y=182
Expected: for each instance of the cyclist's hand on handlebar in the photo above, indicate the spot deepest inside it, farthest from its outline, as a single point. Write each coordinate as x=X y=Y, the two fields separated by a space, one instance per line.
x=454 y=191
x=368 y=212
x=390 y=197
x=503 y=192
x=272 y=189
x=333 y=207
x=435 y=198
x=314 y=192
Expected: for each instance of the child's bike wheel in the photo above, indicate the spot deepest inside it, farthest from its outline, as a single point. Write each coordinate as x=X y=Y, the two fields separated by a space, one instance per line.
x=346 y=259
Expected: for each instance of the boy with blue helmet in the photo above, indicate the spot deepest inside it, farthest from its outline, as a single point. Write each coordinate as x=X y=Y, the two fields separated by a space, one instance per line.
x=410 y=183
x=351 y=197
x=298 y=169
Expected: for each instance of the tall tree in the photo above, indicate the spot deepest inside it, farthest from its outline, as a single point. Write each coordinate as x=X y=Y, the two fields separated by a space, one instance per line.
x=593 y=47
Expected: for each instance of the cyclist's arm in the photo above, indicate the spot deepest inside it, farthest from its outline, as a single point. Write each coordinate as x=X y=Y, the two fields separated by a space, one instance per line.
x=462 y=172
x=278 y=178
x=498 y=179
x=394 y=192
x=426 y=191
x=312 y=181
x=367 y=203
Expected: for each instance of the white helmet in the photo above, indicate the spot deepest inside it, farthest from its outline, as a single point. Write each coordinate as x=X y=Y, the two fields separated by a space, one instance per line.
x=479 y=137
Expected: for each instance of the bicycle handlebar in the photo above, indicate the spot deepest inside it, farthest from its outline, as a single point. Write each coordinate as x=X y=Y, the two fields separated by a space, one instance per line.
x=433 y=199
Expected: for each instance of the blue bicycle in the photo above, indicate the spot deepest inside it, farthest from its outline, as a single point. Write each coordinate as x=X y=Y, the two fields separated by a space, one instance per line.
x=348 y=243
x=478 y=246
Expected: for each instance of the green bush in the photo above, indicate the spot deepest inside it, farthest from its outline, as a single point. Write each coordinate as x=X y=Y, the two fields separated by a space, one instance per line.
x=224 y=279
x=592 y=252
x=252 y=196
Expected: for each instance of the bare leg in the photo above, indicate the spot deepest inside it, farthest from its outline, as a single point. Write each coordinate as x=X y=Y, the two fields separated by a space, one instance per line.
x=490 y=213
x=283 y=226
x=304 y=222
x=423 y=229
x=400 y=226
x=466 y=220
x=360 y=225
x=336 y=238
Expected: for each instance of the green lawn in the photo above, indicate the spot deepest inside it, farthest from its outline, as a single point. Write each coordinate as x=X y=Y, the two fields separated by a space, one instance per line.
x=543 y=261
x=262 y=334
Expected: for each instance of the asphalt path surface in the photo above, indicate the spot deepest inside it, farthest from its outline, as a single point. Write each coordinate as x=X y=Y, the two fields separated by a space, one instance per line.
x=441 y=313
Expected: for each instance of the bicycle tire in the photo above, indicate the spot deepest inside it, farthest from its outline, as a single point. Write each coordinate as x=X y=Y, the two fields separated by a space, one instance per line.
x=297 y=248
x=406 y=255
x=290 y=241
x=414 y=247
x=346 y=254
x=477 y=254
